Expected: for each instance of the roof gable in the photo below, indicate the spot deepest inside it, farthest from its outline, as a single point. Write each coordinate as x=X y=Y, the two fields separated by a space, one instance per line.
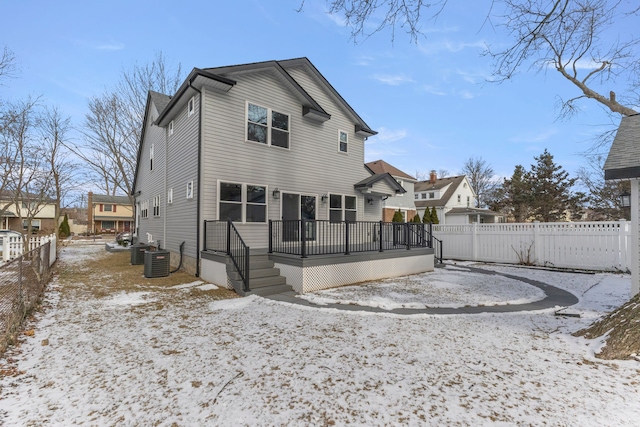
x=449 y=184
x=623 y=161
x=380 y=166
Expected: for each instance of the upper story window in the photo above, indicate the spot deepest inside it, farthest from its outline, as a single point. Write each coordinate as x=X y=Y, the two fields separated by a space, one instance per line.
x=151 y=149
x=459 y=198
x=416 y=196
x=156 y=205
x=342 y=208
x=191 y=107
x=243 y=202
x=109 y=208
x=343 y=141
x=432 y=195
x=267 y=126
x=468 y=201
x=190 y=190
x=401 y=182
x=144 y=209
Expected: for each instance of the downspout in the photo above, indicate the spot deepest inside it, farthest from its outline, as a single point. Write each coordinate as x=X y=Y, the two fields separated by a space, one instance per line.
x=199 y=179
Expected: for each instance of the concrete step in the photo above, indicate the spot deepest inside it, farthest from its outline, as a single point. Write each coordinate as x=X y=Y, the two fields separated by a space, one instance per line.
x=238 y=286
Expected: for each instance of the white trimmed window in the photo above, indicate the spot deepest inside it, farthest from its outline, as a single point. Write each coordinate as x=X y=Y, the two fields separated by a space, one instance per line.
x=151 y=154
x=342 y=208
x=170 y=196
x=459 y=198
x=416 y=196
x=190 y=190
x=267 y=126
x=343 y=141
x=401 y=182
x=171 y=127
x=191 y=107
x=242 y=202
x=432 y=195
x=144 y=209
x=156 y=206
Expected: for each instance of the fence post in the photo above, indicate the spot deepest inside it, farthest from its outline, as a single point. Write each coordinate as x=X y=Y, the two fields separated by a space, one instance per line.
x=303 y=238
x=381 y=234
x=623 y=245
x=537 y=246
x=270 y=236
x=474 y=241
x=228 y=236
x=346 y=237
x=407 y=235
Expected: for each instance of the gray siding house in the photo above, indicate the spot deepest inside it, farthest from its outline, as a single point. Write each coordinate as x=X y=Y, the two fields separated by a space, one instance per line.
x=623 y=164
x=272 y=150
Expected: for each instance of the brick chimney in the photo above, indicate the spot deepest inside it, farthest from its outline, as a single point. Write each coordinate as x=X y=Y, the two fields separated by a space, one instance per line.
x=90 y=213
x=432 y=177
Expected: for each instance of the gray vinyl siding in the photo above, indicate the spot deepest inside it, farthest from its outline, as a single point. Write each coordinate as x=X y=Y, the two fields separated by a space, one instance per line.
x=150 y=183
x=312 y=165
x=182 y=161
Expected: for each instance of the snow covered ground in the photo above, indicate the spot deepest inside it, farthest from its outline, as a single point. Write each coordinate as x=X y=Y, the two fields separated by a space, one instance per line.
x=163 y=356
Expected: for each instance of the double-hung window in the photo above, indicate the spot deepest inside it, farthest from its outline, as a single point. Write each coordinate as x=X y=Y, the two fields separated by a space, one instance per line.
x=243 y=202
x=144 y=209
x=267 y=126
x=156 y=205
x=342 y=208
x=343 y=141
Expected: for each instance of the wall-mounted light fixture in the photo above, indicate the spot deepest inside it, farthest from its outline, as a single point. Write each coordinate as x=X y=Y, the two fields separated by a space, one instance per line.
x=276 y=193
x=370 y=200
x=625 y=199
x=324 y=198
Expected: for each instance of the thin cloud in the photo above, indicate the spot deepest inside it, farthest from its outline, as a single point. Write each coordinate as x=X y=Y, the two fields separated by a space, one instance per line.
x=534 y=137
x=390 y=135
x=392 y=80
x=108 y=46
x=432 y=47
x=434 y=90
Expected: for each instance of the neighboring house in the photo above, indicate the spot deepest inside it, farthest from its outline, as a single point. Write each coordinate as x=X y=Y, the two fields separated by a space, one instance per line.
x=402 y=200
x=274 y=148
x=623 y=164
x=109 y=214
x=15 y=216
x=454 y=200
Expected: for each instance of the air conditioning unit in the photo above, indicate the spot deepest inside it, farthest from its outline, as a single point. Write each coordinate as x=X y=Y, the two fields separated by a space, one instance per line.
x=137 y=253
x=156 y=264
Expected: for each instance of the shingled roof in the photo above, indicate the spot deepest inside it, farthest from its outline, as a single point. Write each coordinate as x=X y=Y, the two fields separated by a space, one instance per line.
x=453 y=182
x=623 y=161
x=380 y=166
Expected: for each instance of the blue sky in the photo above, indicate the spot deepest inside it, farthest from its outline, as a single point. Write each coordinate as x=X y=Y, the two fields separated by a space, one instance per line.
x=429 y=101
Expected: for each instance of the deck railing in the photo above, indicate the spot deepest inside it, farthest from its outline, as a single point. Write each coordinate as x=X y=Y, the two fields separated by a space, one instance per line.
x=321 y=237
x=222 y=236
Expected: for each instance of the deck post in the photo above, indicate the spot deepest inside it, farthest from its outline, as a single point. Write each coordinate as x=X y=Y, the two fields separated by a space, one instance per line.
x=303 y=238
x=346 y=237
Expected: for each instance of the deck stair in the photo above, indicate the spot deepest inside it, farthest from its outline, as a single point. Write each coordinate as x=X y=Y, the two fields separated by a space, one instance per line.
x=264 y=278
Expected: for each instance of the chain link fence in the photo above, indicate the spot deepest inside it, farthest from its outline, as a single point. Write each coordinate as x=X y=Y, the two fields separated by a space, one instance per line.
x=22 y=282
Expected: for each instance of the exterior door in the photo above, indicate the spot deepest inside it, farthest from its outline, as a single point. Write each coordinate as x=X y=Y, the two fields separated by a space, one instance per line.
x=294 y=208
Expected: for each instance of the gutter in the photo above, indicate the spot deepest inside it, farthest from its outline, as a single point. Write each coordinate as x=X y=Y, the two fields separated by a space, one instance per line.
x=199 y=176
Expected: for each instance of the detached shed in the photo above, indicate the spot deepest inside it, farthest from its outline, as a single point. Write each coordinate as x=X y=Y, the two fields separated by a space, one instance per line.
x=623 y=164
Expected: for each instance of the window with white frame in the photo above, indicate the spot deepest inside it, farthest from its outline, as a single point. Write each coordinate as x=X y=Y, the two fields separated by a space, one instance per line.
x=170 y=196
x=156 y=205
x=416 y=196
x=151 y=153
x=191 y=107
x=242 y=202
x=267 y=126
x=171 y=127
x=343 y=141
x=459 y=198
x=190 y=190
x=468 y=201
x=144 y=209
x=401 y=182
x=342 y=208
x=432 y=195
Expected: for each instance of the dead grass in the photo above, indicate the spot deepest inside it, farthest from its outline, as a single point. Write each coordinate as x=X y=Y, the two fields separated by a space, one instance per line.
x=109 y=273
x=623 y=326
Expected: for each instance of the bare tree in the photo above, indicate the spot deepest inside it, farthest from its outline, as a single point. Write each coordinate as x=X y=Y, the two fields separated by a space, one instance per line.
x=113 y=125
x=603 y=197
x=54 y=128
x=8 y=66
x=570 y=36
x=481 y=178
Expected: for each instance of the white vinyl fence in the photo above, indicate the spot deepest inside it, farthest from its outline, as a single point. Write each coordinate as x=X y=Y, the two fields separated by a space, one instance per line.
x=581 y=245
x=13 y=246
